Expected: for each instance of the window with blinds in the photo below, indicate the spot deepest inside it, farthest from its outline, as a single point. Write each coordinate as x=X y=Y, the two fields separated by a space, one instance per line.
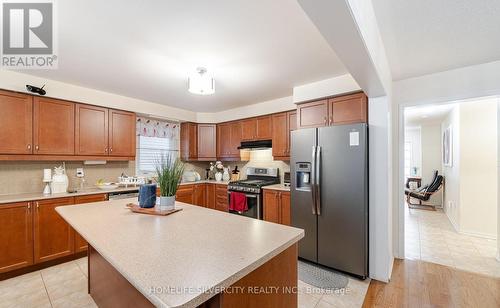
x=151 y=149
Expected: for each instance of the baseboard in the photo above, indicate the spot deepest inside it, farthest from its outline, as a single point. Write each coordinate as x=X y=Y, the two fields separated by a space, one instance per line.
x=478 y=234
x=453 y=223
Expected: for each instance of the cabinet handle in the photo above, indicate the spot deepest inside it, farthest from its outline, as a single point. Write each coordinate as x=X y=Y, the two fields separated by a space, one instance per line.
x=29 y=206
x=111 y=149
x=331 y=120
x=325 y=120
x=37 y=147
x=37 y=205
x=106 y=150
x=29 y=146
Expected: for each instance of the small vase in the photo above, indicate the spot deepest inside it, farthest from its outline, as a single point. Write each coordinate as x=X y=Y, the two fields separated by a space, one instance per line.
x=167 y=203
x=218 y=176
x=225 y=175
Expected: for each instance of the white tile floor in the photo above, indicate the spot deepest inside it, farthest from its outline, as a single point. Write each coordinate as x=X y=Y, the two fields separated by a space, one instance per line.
x=429 y=236
x=65 y=285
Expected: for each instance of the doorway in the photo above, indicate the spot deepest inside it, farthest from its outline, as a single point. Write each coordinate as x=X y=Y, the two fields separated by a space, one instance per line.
x=454 y=222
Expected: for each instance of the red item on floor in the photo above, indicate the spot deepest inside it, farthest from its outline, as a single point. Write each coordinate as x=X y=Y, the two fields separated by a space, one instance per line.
x=238 y=202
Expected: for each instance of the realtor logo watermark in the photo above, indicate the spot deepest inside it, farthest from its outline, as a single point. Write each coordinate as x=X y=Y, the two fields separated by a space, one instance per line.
x=28 y=35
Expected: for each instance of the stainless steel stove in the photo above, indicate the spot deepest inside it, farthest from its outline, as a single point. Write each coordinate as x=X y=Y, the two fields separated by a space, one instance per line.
x=252 y=187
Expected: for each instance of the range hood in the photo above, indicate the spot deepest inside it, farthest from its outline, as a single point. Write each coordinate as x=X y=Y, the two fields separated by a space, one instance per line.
x=255 y=145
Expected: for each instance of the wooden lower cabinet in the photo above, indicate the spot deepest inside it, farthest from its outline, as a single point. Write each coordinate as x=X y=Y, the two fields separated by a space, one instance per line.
x=80 y=243
x=53 y=237
x=210 y=195
x=199 y=194
x=221 y=200
x=16 y=236
x=277 y=206
x=185 y=193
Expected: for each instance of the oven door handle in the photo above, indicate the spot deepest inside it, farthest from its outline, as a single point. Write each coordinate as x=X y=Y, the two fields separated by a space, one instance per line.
x=246 y=195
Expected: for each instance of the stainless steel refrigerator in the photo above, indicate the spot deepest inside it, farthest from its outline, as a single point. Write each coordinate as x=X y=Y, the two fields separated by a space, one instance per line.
x=329 y=195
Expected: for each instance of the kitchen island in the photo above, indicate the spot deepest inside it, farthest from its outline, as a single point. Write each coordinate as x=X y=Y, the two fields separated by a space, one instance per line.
x=195 y=257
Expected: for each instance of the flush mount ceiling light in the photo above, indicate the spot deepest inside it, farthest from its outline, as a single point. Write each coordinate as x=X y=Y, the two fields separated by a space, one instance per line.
x=201 y=83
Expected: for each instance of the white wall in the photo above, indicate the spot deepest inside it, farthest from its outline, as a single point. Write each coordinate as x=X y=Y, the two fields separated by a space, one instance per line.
x=431 y=155
x=14 y=81
x=324 y=88
x=452 y=173
x=478 y=172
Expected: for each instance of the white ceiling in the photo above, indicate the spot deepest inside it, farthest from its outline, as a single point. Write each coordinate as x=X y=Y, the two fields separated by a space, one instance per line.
x=428 y=36
x=257 y=50
x=419 y=115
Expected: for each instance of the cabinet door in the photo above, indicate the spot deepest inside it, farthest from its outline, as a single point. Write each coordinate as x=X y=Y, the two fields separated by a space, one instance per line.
x=54 y=126
x=235 y=139
x=91 y=130
x=16 y=236
x=292 y=125
x=207 y=142
x=16 y=124
x=280 y=135
x=223 y=140
x=210 y=195
x=199 y=194
x=285 y=218
x=221 y=202
x=313 y=114
x=121 y=133
x=54 y=237
x=264 y=128
x=189 y=141
x=271 y=206
x=80 y=243
x=348 y=109
x=185 y=194
x=248 y=129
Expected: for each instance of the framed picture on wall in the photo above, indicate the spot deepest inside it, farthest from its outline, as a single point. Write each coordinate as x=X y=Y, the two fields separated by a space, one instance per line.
x=448 y=147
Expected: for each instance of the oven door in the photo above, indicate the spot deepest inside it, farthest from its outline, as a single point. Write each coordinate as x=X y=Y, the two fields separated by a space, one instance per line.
x=254 y=203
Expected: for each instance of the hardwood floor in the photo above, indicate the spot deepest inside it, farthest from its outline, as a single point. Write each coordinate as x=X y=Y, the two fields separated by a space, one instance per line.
x=421 y=284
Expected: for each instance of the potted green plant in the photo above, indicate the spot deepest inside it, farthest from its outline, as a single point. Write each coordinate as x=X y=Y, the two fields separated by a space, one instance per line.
x=169 y=174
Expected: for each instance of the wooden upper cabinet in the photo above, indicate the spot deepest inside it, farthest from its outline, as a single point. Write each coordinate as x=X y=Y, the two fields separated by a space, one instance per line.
x=53 y=126
x=91 y=130
x=121 y=136
x=235 y=139
x=264 y=128
x=16 y=236
x=223 y=140
x=53 y=236
x=16 y=126
x=280 y=134
x=313 y=114
x=189 y=141
x=207 y=146
x=248 y=129
x=256 y=128
x=348 y=109
x=292 y=120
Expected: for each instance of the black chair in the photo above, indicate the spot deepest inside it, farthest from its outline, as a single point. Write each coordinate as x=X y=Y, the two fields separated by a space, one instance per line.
x=424 y=193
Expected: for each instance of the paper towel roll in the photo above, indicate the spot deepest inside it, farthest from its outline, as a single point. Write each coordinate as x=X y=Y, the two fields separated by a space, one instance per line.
x=47 y=175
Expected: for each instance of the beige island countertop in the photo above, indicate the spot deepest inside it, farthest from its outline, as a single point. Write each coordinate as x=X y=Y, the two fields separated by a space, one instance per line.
x=196 y=248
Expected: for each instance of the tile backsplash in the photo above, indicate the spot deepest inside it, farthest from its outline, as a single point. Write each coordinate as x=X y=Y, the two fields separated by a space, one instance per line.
x=26 y=177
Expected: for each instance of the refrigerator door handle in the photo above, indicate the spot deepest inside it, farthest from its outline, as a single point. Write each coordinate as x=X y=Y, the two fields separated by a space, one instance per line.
x=313 y=178
x=318 y=180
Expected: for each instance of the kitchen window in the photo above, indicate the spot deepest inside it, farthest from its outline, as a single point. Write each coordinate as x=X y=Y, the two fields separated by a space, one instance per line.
x=154 y=139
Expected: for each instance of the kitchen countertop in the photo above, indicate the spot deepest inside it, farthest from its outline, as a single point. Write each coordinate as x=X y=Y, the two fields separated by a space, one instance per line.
x=23 y=197
x=39 y=196
x=277 y=187
x=172 y=251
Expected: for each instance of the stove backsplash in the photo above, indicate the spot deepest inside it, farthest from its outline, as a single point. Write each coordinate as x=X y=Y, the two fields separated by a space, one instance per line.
x=260 y=158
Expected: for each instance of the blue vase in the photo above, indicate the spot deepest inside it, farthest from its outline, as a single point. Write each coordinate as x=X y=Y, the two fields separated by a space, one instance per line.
x=147 y=196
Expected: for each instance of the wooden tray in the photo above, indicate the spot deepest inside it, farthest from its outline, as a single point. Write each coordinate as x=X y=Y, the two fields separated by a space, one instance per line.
x=151 y=211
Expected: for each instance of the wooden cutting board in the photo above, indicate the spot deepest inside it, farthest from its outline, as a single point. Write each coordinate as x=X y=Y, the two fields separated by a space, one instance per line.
x=151 y=211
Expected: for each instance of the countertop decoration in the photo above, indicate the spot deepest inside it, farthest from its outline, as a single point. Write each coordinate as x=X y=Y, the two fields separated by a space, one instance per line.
x=169 y=172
